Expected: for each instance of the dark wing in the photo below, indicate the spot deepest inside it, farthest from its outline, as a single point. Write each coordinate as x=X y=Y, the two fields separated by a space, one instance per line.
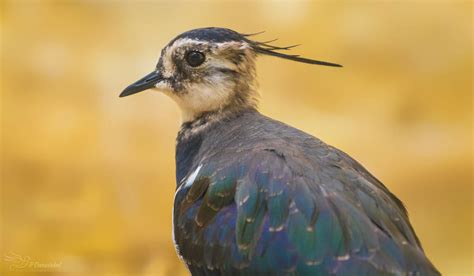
x=282 y=211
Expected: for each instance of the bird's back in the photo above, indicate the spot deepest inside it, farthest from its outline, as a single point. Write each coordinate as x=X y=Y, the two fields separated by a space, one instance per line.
x=256 y=196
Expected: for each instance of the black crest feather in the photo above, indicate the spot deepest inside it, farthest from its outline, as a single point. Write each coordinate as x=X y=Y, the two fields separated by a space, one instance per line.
x=268 y=49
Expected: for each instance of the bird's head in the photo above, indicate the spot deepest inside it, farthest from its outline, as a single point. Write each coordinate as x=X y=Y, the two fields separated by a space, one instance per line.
x=210 y=69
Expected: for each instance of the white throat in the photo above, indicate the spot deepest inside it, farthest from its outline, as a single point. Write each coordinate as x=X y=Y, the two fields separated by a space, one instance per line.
x=205 y=97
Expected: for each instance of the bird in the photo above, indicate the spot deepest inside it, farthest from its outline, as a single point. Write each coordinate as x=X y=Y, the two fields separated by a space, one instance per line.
x=255 y=196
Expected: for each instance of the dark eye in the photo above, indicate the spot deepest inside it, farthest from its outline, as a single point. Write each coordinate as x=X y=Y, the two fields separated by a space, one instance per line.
x=195 y=58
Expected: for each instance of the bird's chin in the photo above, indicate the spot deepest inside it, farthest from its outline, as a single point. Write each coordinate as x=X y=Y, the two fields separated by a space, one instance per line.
x=162 y=87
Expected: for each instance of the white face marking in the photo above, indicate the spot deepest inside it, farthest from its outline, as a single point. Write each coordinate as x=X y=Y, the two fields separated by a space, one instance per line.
x=212 y=91
x=203 y=97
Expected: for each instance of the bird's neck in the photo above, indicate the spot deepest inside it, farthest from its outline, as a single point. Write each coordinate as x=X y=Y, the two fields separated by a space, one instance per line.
x=209 y=119
x=192 y=135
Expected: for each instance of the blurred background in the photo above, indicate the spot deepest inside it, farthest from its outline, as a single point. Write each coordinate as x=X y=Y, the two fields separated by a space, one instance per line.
x=88 y=178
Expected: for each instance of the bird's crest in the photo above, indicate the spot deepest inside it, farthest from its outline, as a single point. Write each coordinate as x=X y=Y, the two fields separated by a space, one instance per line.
x=266 y=48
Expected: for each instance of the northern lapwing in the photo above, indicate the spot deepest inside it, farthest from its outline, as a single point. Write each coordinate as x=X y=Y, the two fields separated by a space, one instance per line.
x=255 y=196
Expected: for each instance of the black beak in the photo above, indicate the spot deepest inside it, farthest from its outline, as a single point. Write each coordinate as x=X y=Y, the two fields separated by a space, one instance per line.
x=142 y=84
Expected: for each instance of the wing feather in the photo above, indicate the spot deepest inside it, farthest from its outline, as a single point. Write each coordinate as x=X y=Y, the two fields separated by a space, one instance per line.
x=271 y=211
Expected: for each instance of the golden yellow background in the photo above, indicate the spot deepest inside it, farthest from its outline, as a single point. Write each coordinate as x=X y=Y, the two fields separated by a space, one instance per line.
x=88 y=178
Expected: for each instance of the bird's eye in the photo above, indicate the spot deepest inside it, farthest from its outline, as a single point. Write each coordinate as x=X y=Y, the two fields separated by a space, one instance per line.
x=195 y=58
